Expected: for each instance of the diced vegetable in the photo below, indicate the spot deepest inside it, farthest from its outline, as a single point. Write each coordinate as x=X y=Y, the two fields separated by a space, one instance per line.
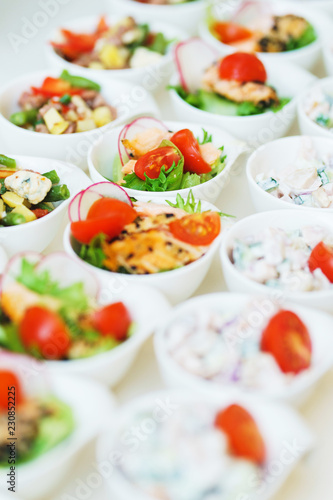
x=13 y=219
x=53 y=176
x=24 y=117
x=55 y=122
x=65 y=99
x=12 y=199
x=268 y=184
x=57 y=193
x=7 y=162
x=102 y=116
x=85 y=125
x=25 y=212
x=112 y=57
x=2 y=207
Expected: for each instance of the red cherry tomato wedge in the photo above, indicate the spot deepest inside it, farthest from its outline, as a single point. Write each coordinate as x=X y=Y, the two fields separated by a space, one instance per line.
x=189 y=148
x=83 y=42
x=40 y=212
x=67 y=50
x=45 y=331
x=106 y=206
x=287 y=339
x=322 y=258
x=231 y=32
x=245 y=439
x=9 y=380
x=197 y=229
x=113 y=320
x=242 y=67
x=55 y=87
x=102 y=25
x=152 y=162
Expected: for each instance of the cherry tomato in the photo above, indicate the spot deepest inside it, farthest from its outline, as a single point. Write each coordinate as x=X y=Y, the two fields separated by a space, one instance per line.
x=55 y=87
x=40 y=212
x=242 y=67
x=85 y=230
x=83 y=42
x=189 y=148
x=231 y=32
x=45 y=331
x=152 y=162
x=9 y=379
x=287 y=338
x=197 y=229
x=107 y=206
x=322 y=258
x=67 y=50
x=245 y=439
x=113 y=320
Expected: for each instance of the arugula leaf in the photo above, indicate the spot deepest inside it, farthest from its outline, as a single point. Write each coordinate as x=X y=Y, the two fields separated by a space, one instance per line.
x=93 y=253
x=190 y=206
x=206 y=138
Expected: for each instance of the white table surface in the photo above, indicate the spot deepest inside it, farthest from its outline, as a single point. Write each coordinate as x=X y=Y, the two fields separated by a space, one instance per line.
x=313 y=478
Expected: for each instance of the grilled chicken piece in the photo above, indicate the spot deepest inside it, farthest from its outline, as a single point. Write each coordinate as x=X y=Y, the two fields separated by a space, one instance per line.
x=159 y=221
x=147 y=209
x=270 y=43
x=284 y=29
x=145 y=141
x=258 y=93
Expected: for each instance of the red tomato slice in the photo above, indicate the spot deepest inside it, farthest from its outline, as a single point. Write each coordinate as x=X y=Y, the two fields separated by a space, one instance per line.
x=197 y=229
x=8 y=380
x=85 y=230
x=83 y=42
x=152 y=162
x=245 y=439
x=67 y=50
x=242 y=67
x=106 y=206
x=40 y=212
x=44 y=330
x=322 y=258
x=189 y=148
x=231 y=32
x=113 y=320
x=102 y=25
x=287 y=339
x=55 y=87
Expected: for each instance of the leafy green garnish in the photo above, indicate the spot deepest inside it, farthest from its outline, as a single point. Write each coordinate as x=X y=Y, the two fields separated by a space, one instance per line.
x=93 y=253
x=79 y=81
x=9 y=338
x=217 y=168
x=248 y=108
x=159 y=44
x=190 y=180
x=206 y=138
x=323 y=120
x=141 y=40
x=190 y=205
x=65 y=99
x=309 y=36
x=283 y=102
x=193 y=99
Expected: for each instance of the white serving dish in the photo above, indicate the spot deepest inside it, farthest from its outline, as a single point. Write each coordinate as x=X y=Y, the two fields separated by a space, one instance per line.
x=308 y=126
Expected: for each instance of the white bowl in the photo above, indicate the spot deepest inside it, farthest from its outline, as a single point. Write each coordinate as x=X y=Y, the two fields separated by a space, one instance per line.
x=257 y=129
x=288 y=220
x=185 y=16
x=151 y=77
x=319 y=324
x=130 y=101
x=177 y=285
x=277 y=156
x=325 y=5
x=280 y=426
x=305 y=57
x=103 y=152
x=92 y=406
x=38 y=234
x=3 y=259
x=328 y=58
x=308 y=126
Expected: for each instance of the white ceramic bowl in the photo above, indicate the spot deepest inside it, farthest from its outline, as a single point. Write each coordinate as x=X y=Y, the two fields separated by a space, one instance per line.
x=38 y=234
x=130 y=101
x=3 y=259
x=319 y=324
x=103 y=152
x=177 y=285
x=326 y=5
x=185 y=16
x=151 y=77
x=92 y=406
x=257 y=129
x=308 y=126
x=288 y=220
x=328 y=58
x=277 y=156
x=279 y=425
x=305 y=57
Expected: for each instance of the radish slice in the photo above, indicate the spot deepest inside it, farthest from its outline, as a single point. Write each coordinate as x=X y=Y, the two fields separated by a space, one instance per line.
x=67 y=271
x=133 y=129
x=251 y=12
x=73 y=209
x=13 y=268
x=99 y=190
x=193 y=57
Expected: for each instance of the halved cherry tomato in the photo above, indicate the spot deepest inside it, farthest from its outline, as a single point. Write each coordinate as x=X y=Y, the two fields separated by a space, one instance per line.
x=113 y=320
x=67 y=50
x=197 y=229
x=287 y=338
x=231 y=32
x=8 y=380
x=152 y=162
x=102 y=25
x=40 y=212
x=106 y=206
x=245 y=439
x=242 y=67
x=45 y=331
x=85 y=230
x=189 y=148
x=322 y=257
x=83 y=42
x=55 y=87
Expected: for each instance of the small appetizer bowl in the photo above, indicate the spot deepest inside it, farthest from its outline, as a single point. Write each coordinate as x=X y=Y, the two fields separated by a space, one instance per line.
x=305 y=57
x=287 y=220
x=152 y=77
x=130 y=101
x=277 y=155
x=3 y=259
x=38 y=234
x=328 y=57
x=255 y=129
x=309 y=96
x=186 y=16
x=318 y=323
x=102 y=153
x=176 y=285
x=277 y=423
x=42 y=475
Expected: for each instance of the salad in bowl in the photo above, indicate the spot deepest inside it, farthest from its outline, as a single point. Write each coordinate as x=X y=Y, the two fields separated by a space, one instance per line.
x=238 y=91
x=62 y=320
x=167 y=244
x=161 y=157
x=315 y=109
x=229 y=342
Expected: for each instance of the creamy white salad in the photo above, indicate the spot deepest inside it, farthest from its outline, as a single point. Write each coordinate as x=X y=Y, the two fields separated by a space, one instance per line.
x=279 y=259
x=224 y=348
x=186 y=458
x=307 y=181
x=319 y=107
